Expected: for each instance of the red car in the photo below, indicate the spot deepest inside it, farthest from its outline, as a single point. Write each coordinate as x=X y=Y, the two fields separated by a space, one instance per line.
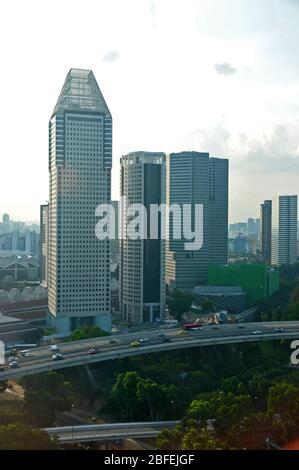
x=191 y=326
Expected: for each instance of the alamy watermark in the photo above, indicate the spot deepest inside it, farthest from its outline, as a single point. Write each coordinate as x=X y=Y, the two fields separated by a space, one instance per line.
x=138 y=222
x=295 y=354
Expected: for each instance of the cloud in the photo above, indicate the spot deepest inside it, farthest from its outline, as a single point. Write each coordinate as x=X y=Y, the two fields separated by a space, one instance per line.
x=111 y=56
x=153 y=12
x=225 y=69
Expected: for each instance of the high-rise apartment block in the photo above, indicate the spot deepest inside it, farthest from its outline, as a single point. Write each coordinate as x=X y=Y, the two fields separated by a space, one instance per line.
x=284 y=230
x=80 y=160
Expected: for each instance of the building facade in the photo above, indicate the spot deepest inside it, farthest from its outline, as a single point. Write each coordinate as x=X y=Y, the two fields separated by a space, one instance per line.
x=195 y=178
x=284 y=230
x=80 y=160
x=266 y=231
x=44 y=241
x=142 y=277
x=218 y=211
x=258 y=281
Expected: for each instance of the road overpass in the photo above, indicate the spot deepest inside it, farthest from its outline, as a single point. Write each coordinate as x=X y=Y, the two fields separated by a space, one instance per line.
x=119 y=346
x=109 y=432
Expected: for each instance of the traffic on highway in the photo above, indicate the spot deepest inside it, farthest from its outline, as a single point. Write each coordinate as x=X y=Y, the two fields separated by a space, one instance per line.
x=67 y=354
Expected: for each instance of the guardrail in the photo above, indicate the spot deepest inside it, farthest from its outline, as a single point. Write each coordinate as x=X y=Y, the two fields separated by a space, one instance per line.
x=145 y=349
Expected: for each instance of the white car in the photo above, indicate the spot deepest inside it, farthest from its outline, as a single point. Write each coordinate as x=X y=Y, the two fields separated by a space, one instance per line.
x=14 y=364
x=144 y=340
x=279 y=330
x=257 y=332
x=57 y=357
x=54 y=347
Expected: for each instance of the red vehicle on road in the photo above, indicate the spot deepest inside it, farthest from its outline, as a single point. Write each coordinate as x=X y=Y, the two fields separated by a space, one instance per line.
x=192 y=326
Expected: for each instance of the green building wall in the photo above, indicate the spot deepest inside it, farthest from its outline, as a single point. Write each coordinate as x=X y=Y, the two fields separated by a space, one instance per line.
x=257 y=280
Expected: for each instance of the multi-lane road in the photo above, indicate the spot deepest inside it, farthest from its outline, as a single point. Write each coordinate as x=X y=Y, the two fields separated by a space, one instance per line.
x=108 y=432
x=119 y=345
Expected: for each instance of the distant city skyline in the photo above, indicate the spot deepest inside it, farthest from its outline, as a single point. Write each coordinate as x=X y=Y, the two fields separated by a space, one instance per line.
x=232 y=78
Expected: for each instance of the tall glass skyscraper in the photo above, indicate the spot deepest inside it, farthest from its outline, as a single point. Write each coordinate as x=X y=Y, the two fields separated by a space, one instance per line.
x=80 y=161
x=142 y=281
x=195 y=178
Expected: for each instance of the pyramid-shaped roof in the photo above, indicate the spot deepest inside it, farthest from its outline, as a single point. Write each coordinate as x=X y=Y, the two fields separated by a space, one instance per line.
x=80 y=92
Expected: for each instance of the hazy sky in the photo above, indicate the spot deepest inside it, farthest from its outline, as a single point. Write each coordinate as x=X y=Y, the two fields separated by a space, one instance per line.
x=210 y=75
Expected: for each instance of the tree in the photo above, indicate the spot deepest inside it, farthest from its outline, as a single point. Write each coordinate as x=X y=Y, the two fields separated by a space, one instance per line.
x=179 y=302
x=207 y=306
x=293 y=311
x=3 y=386
x=45 y=394
x=23 y=437
x=283 y=408
x=201 y=439
x=124 y=394
x=87 y=332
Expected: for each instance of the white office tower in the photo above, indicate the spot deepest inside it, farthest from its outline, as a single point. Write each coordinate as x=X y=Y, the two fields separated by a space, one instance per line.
x=142 y=270
x=194 y=178
x=80 y=160
x=284 y=230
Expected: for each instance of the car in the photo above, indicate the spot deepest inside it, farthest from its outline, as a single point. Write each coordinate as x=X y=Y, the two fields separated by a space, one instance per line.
x=257 y=332
x=196 y=328
x=112 y=341
x=144 y=340
x=182 y=332
x=26 y=353
x=92 y=351
x=241 y=326
x=215 y=327
x=164 y=338
x=57 y=357
x=12 y=359
x=54 y=347
x=279 y=330
x=13 y=364
x=135 y=344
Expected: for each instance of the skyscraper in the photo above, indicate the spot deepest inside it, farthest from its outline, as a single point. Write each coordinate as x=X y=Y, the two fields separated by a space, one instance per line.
x=142 y=283
x=187 y=182
x=44 y=241
x=218 y=210
x=266 y=231
x=80 y=160
x=284 y=230
x=194 y=178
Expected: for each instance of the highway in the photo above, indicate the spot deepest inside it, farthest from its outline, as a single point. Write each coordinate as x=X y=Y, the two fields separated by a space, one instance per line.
x=119 y=345
x=108 y=432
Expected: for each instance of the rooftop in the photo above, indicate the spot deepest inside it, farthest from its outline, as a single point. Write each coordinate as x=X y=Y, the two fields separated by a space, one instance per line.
x=80 y=92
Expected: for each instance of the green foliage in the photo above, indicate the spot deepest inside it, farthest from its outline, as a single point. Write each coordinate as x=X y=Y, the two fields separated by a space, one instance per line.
x=133 y=397
x=45 y=394
x=283 y=408
x=293 y=312
x=23 y=437
x=87 y=332
x=179 y=302
x=3 y=386
x=207 y=306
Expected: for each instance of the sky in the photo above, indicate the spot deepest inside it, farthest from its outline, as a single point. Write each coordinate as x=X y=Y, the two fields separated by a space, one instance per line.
x=220 y=76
